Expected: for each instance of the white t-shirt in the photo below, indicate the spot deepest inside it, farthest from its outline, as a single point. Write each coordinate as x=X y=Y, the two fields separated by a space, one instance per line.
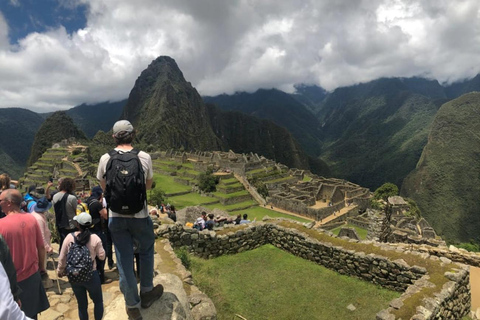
x=146 y=161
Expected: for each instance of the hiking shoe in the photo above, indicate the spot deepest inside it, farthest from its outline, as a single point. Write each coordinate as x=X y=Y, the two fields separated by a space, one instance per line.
x=134 y=314
x=150 y=297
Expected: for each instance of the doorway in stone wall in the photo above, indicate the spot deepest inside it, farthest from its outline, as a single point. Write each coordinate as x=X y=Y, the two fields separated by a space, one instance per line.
x=475 y=287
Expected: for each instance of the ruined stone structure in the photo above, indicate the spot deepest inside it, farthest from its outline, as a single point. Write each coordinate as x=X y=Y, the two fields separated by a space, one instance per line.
x=451 y=302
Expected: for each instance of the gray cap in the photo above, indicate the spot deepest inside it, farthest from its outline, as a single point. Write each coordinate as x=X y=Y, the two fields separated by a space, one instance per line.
x=122 y=126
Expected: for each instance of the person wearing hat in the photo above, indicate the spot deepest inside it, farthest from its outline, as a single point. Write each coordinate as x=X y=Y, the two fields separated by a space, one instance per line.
x=93 y=286
x=42 y=206
x=125 y=228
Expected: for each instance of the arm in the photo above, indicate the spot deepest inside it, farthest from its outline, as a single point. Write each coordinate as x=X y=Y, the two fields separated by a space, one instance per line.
x=149 y=183
x=99 y=251
x=40 y=248
x=62 y=258
x=47 y=192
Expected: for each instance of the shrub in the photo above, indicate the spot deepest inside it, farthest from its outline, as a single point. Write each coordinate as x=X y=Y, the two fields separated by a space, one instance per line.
x=156 y=196
x=184 y=256
x=207 y=182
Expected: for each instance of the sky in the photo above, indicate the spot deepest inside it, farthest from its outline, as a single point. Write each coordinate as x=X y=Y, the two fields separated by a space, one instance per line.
x=56 y=54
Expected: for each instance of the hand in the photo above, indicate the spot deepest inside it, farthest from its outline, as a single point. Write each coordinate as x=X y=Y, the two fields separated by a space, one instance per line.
x=49 y=184
x=50 y=252
x=60 y=274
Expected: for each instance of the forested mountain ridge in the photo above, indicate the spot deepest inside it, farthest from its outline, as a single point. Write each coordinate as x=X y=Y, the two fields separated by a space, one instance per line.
x=280 y=108
x=54 y=129
x=17 y=131
x=375 y=132
x=446 y=181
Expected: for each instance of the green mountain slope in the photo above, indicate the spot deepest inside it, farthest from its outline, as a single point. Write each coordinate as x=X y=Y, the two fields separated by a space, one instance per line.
x=446 y=182
x=93 y=117
x=167 y=111
x=57 y=127
x=17 y=129
x=280 y=108
x=243 y=133
x=375 y=132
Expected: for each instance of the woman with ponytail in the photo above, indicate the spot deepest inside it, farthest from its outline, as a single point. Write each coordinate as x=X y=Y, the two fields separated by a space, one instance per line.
x=93 y=286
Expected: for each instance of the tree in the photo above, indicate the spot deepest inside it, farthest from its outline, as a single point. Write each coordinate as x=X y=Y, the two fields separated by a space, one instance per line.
x=386 y=190
x=207 y=181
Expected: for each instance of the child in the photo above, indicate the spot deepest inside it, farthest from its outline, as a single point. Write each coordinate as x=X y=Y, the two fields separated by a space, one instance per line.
x=93 y=286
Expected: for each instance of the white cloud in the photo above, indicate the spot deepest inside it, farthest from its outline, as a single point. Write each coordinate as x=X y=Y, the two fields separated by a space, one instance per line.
x=228 y=46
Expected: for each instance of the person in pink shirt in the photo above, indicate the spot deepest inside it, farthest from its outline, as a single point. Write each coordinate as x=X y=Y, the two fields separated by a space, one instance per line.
x=24 y=238
x=93 y=286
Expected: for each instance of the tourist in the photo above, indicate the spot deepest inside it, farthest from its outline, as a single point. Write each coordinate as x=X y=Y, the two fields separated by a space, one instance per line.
x=172 y=214
x=4 y=184
x=38 y=213
x=210 y=222
x=93 y=286
x=65 y=207
x=126 y=227
x=238 y=219
x=200 y=222
x=24 y=238
x=99 y=224
x=245 y=219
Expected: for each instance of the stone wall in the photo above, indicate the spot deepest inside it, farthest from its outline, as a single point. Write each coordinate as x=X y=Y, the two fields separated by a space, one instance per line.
x=451 y=303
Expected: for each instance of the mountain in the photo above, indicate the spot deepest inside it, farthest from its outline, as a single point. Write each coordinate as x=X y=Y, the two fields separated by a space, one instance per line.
x=457 y=89
x=446 y=181
x=280 y=108
x=57 y=127
x=375 y=132
x=167 y=111
x=94 y=117
x=17 y=129
x=244 y=133
x=311 y=96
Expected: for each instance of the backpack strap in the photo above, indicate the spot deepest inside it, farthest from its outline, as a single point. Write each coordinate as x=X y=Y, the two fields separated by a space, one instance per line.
x=73 y=235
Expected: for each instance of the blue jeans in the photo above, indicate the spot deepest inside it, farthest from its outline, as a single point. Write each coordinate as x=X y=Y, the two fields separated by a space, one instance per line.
x=123 y=231
x=94 y=289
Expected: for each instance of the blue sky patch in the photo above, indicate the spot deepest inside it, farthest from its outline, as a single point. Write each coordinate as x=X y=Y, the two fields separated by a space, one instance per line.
x=27 y=16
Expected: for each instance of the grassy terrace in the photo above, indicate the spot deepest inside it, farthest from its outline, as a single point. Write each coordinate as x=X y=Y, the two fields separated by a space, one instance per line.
x=231 y=195
x=167 y=184
x=362 y=233
x=190 y=199
x=268 y=283
x=434 y=269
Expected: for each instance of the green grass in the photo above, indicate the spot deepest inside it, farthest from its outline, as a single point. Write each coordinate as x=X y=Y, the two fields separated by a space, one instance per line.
x=231 y=207
x=362 y=233
x=188 y=200
x=268 y=283
x=167 y=184
x=231 y=195
x=260 y=212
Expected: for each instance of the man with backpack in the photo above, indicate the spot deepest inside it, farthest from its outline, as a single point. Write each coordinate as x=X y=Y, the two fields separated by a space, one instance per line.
x=125 y=174
x=65 y=207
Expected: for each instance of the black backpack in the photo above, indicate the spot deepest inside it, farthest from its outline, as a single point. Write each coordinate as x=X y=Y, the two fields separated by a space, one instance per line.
x=79 y=267
x=125 y=190
x=60 y=208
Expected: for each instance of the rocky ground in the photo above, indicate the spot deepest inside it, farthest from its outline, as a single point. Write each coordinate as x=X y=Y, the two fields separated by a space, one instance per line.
x=181 y=299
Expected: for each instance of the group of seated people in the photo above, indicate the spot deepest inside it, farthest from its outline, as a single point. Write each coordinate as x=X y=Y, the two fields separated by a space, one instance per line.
x=209 y=221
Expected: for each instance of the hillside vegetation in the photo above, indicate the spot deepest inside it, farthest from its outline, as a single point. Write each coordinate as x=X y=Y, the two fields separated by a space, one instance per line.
x=375 y=132
x=17 y=131
x=446 y=182
x=57 y=127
